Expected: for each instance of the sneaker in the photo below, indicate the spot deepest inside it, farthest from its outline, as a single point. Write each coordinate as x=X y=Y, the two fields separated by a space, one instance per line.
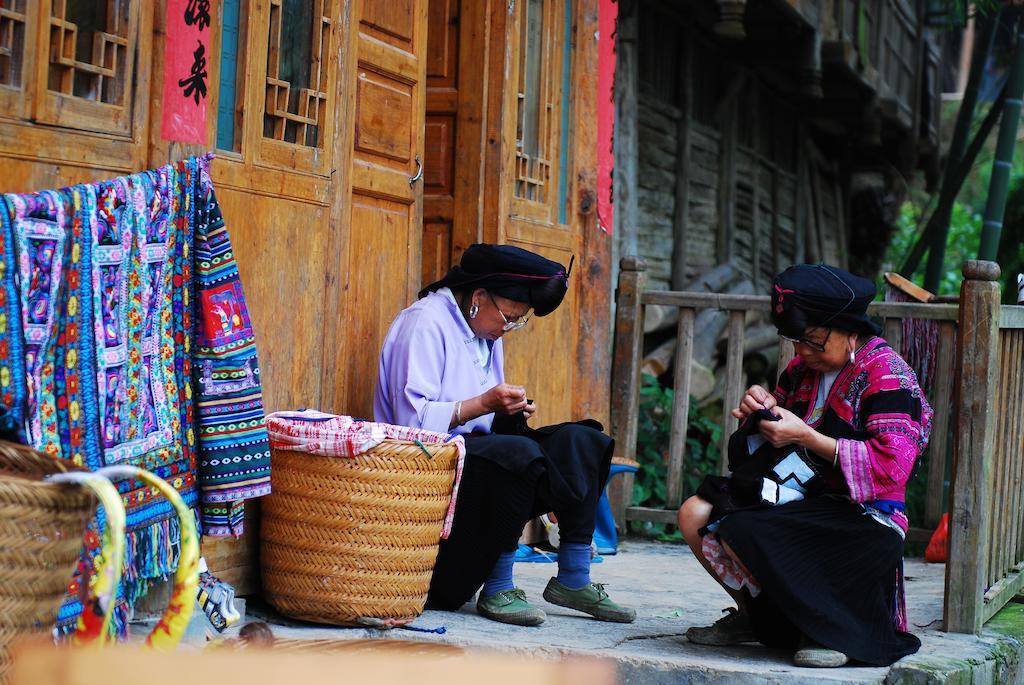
x=731 y=629
x=813 y=655
x=510 y=606
x=590 y=599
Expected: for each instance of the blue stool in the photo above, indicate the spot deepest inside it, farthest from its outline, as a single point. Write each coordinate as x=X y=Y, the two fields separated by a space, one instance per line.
x=605 y=537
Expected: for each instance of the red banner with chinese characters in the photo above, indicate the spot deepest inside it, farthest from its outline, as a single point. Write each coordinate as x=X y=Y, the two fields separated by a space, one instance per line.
x=186 y=73
x=608 y=11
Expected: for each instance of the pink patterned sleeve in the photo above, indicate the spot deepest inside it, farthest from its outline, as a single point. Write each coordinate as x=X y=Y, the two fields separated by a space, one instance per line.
x=897 y=420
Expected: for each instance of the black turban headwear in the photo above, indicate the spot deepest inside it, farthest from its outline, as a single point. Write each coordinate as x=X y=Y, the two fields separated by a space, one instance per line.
x=511 y=272
x=818 y=295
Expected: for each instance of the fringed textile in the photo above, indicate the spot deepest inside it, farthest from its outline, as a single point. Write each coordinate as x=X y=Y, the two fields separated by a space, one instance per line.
x=121 y=311
x=920 y=341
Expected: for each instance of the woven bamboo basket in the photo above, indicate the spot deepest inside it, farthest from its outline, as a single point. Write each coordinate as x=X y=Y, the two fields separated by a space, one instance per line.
x=41 y=530
x=343 y=539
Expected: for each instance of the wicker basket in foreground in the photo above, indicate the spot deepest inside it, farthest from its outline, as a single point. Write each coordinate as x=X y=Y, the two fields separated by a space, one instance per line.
x=348 y=538
x=41 y=529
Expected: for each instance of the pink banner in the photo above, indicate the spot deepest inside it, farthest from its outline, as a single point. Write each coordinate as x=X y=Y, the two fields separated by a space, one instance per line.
x=186 y=72
x=608 y=11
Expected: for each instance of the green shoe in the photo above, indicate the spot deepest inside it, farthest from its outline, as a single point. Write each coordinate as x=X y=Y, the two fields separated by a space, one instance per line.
x=510 y=606
x=590 y=599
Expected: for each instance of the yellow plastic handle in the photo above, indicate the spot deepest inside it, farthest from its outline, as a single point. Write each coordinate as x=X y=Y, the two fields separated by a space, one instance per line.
x=171 y=627
x=94 y=621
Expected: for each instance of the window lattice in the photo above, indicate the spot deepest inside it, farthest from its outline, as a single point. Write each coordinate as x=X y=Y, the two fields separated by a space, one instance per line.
x=12 y=41
x=297 y=71
x=537 y=105
x=89 y=49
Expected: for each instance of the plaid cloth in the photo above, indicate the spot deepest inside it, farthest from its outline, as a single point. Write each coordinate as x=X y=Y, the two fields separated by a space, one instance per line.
x=330 y=435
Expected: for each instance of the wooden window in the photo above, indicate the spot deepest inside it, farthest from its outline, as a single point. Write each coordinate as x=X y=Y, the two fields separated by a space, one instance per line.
x=232 y=75
x=299 y=35
x=13 y=32
x=84 y=74
x=539 y=105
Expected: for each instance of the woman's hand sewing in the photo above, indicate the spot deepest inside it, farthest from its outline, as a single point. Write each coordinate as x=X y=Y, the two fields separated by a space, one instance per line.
x=529 y=409
x=505 y=399
x=755 y=398
x=788 y=430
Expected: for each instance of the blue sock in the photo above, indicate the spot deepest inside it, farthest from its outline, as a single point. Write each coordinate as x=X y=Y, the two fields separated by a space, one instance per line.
x=574 y=564
x=501 y=575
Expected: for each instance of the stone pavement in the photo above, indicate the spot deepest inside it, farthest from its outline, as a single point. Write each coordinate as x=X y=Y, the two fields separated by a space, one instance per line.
x=671 y=593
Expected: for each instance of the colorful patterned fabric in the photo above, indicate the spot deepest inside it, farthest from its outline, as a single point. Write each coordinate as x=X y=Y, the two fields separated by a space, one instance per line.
x=881 y=421
x=330 y=435
x=877 y=397
x=121 y=313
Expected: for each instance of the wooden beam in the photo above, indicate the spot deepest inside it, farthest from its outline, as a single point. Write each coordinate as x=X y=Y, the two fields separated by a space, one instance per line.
x=681 y=214
x=733 y=385
x=649 y=514
x=625 y=390
x=593 y=339
x=762 y=303
x=627 y=136
x=680 y=409
x=977 y=352
x=726 y=114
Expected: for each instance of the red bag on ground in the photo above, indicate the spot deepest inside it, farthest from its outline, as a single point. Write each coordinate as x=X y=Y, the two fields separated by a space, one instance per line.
x=938 y=547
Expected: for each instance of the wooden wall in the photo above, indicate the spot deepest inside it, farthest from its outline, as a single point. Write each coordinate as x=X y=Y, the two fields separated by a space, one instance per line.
x=334 y=234
x=330 y=238
x=727 y=166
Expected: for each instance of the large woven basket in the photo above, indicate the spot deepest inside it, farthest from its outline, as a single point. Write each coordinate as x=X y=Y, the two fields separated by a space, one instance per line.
x=41 y=530
x=346 y=538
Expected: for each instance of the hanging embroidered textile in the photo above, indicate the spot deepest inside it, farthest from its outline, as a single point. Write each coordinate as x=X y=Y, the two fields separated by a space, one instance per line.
x=125 y=339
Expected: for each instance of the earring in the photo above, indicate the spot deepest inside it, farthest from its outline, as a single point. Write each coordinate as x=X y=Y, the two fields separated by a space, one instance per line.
x=852 y=357
x=473 y=310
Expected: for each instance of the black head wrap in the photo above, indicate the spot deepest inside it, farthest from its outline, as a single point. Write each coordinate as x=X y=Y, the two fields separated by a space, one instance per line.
x=511 y=272
x=809 y=295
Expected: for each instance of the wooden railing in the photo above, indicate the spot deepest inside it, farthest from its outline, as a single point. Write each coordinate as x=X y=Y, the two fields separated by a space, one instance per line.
x=986 y=556
x=977 y=378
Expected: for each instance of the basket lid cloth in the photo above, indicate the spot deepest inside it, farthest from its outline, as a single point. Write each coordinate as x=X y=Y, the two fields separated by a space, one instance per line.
x=331 y=435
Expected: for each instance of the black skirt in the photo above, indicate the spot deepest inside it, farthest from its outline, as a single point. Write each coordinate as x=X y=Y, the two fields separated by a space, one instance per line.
x=828 y=571
x=509 y=479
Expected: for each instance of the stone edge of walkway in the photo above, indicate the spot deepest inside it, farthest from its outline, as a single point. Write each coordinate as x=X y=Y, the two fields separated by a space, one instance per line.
x=997 y=657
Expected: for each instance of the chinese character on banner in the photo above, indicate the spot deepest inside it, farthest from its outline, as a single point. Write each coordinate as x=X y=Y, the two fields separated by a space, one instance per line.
x=186 y=77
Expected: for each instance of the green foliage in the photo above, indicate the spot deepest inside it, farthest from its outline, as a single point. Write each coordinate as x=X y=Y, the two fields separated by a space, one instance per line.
x=965 y=224
x=654 y=431
x=962 y=243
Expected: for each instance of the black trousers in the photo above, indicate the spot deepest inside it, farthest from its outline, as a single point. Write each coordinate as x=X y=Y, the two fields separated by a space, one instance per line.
x=507 y=480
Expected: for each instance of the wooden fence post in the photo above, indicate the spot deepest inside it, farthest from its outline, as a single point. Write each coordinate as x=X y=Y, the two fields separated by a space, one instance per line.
x=629 y=329
x=973 y=445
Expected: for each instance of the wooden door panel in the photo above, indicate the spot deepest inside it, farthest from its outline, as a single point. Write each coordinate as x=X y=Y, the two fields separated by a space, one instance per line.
x=439 y=155
x=437 y=249
x=393 y=21
x=383 y=225
x=384 y=116
x=386 y=209
x=540 y=357
x=281 y=247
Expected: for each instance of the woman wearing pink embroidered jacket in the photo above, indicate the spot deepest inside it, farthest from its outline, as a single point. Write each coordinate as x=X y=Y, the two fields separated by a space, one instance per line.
x=823 y=574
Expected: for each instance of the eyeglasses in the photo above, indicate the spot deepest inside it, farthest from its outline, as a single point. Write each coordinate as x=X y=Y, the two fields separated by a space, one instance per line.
x=513 y=325
x=819 y=346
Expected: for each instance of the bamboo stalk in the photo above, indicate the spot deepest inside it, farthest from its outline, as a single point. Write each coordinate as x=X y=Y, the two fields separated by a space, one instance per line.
x=1002 y=164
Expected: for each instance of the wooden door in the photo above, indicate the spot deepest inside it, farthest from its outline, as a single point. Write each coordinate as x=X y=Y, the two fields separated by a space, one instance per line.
x=535 y=187
x=387 y=68
x=457 y=42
